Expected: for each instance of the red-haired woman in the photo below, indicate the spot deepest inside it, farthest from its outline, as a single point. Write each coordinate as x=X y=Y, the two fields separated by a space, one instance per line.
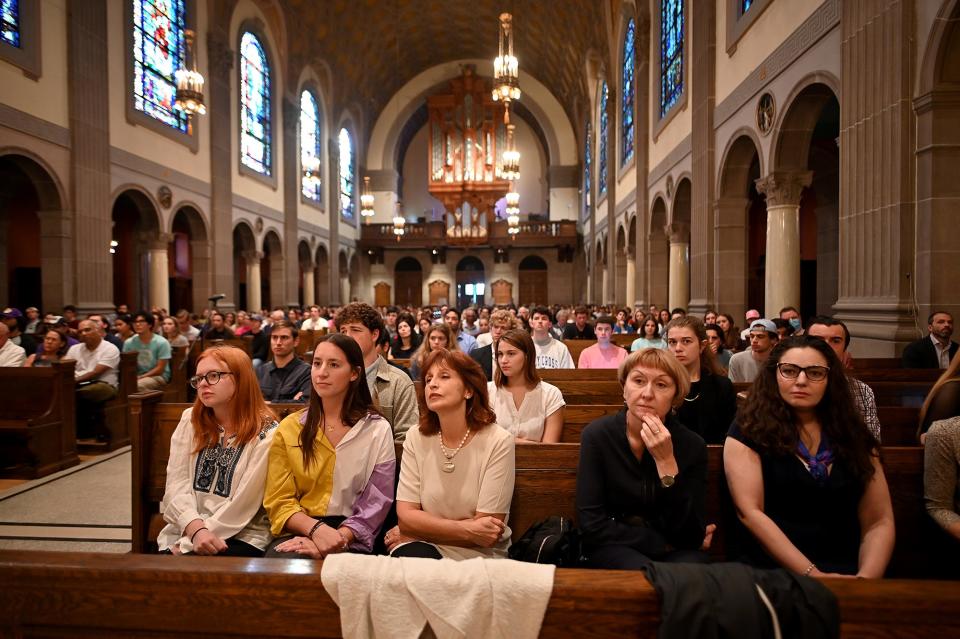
x=457 y=471
x=333 y=467
x=213 y=503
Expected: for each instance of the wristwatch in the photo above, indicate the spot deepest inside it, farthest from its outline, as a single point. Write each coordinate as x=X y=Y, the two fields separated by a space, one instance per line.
x=668 y=480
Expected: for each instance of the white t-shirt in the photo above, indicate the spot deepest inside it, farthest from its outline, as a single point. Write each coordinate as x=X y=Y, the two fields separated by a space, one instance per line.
x=554 y=354
x=12 y=355
x=311 y=324
x=527 y=421
x=484 y=339
x=87 y=360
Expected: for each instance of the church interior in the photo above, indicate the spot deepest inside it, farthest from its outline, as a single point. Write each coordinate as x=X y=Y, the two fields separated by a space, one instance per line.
x=700 y=154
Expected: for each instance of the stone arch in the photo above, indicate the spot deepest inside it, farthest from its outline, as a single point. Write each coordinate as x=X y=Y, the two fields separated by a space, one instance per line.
x=343 y=269
x=657 y=251
x=322 y=266
x=354 y=279
x=795 y=126
x=271 y=270
x=246 y=266
x=739 y=242
x=140 y=267
x=599 y=266
x=937 y=108
x=190 y=264
x=33 y=270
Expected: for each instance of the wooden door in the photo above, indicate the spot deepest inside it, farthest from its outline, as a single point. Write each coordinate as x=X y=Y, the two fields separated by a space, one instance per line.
x=381 y=294
x=409 y=288
x=533 y=287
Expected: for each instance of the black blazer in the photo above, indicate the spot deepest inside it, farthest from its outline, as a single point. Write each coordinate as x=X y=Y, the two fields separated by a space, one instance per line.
x=484 y=357
x=922 y=354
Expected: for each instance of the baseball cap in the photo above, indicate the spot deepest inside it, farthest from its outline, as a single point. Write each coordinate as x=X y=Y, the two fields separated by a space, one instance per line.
x=54 y=320
x=752 y=314
x=765 y=324
x=10 y=312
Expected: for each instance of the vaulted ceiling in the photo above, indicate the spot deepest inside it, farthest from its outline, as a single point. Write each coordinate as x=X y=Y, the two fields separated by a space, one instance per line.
x=373 y=47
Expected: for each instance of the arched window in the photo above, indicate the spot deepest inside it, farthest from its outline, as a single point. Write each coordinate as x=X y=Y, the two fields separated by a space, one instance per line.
x=158 y=51
x=671 y=53
x=346 y=175
x=602 y=142
x=745 y=6
x=256 y=146
x=309 y=142
x=10 y=22
x=587 y=170
x=628 y=89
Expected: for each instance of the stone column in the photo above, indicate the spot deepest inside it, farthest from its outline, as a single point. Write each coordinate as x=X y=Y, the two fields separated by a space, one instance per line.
x=679 y=282
x=308 y=286
x=631 y=278
x=730 y=254
x=613 y=165
x=252 y=261
x=605 y=288
x=56 y=261
x=333 y=206
x=89 y=258
x=158 y=261
x=201 y=268
x=291 y=201
x=641 y=142
x=782 y=277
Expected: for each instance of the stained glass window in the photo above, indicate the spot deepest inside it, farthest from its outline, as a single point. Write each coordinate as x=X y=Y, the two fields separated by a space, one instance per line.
x=671 y=53
x=309 y=142
x=10 y=22
x=602 y=142
x=158 y=51
x=346 y=175
x=745 y=6
x=629 y=91
x=587 y=170
x=255 y=135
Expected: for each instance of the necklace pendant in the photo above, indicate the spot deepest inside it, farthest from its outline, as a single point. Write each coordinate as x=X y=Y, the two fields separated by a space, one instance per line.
x=448 y=466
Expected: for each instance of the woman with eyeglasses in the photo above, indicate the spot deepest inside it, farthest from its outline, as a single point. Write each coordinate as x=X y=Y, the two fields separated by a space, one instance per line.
x=332 y=471
x=804 y=471
x=213 y=502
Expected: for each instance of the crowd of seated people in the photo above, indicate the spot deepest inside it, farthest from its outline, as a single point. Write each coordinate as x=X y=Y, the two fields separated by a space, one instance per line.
x=803 y=455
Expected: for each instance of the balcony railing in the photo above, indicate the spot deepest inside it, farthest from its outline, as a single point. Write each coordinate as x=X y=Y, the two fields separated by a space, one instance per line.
x=434 y=235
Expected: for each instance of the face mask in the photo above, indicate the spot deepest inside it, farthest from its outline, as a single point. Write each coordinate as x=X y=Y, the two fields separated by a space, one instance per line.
x=795 y=323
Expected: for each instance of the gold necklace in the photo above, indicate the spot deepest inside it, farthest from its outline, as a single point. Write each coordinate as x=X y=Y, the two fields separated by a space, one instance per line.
x=448 y=466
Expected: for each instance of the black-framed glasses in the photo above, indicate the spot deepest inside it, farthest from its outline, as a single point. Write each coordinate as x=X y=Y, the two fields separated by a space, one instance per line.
x=813 y=373
x=212 y=378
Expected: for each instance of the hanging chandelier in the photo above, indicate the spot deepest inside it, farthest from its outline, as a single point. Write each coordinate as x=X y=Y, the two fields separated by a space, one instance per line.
x=311 y=171
x=513 y=211
x=510 y=169
x=506 y=68
x=399 y=221
x=189 y=96
x=366 y=199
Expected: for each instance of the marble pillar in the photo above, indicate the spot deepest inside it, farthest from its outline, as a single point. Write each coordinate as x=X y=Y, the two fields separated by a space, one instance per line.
x=678 y=293
x=631 y=279
x=605 y=287
x=308 y=286
x=159 y=271
x=252 y=262
x=782 y=277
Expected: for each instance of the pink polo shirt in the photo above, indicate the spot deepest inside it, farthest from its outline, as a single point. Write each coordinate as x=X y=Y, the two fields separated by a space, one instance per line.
x=593 y=357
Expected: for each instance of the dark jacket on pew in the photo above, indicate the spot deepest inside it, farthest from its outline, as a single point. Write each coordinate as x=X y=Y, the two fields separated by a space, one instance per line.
x=709 y=408
x=922 y=354
x=721 y=600
x=621 y=501
x=484 y=357
x=283 y=384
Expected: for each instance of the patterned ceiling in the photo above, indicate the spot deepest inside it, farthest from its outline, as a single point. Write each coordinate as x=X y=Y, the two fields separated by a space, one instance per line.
x=373 y=47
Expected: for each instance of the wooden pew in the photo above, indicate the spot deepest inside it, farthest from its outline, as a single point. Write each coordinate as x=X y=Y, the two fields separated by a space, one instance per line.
x=38 y=425
x=579 y=391
x=116 y=411
x=58 y=594
x=176 y=390
x=554 y=375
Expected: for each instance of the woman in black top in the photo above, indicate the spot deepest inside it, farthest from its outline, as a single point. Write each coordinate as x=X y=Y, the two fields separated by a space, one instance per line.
x=641 y=481
x=407 y=341
x=710 y=406
x=804 y=471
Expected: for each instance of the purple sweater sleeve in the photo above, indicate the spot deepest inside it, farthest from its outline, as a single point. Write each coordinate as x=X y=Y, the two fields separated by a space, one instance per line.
x=371 y=508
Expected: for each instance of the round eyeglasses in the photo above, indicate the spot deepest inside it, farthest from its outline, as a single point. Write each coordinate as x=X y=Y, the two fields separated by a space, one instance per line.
x=211 y=378
x=813 y=373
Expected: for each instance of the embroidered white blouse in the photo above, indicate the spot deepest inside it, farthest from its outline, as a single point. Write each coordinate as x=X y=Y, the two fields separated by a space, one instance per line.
x=527 y=421
x=222 y=485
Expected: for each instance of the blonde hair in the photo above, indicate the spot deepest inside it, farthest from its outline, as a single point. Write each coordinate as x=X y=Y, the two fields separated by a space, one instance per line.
x=663 y=361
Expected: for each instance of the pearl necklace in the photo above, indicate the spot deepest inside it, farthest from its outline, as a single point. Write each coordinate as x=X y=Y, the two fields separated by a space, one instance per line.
x=448 y=466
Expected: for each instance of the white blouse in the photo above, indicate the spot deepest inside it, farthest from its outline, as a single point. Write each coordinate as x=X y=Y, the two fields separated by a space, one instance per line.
x=527 y=421
x=223 y=486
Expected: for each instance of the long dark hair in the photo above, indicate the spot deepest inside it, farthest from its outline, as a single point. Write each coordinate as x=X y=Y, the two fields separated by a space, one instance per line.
x=708 y=361
x=357 y=403
x=771 y=423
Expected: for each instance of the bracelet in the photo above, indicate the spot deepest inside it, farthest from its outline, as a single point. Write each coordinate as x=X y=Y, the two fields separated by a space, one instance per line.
x=343 y=536
x=196 y=531
x=314 y=529
x=810 y=568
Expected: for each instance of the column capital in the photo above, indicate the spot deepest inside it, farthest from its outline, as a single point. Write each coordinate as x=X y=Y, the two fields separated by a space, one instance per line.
x=784 y=187
x=159 y=242
x=252 y=256
x=678 y=232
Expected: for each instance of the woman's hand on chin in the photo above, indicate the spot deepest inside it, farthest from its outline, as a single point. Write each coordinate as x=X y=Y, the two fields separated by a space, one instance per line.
x=656 y=437
x=484 y=531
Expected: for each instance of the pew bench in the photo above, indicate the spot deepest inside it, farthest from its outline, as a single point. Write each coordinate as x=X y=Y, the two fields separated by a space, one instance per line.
x=176 y=388
x=116 y=411
x=38 y=420
x=57 y=594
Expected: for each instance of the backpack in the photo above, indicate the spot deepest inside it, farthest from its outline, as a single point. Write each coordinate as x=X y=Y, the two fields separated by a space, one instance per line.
x=551 y=541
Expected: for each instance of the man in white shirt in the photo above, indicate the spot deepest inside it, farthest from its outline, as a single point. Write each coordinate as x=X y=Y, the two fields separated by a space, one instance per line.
x=187 y=329
x=96 y=375
x=10 y=354
x=745 y=365
x=551 y=353
x=314 y=322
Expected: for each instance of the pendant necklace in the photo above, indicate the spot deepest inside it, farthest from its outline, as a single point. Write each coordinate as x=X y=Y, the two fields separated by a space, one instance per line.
x=448 y=466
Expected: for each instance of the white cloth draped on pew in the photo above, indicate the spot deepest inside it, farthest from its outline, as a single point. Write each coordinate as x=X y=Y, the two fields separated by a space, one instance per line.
x=396 y=597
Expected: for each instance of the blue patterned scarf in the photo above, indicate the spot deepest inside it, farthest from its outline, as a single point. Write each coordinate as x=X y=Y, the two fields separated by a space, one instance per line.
x=817 y=463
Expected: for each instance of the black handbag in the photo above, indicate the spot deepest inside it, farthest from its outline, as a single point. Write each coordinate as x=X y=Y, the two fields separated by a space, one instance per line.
x=551 y=541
